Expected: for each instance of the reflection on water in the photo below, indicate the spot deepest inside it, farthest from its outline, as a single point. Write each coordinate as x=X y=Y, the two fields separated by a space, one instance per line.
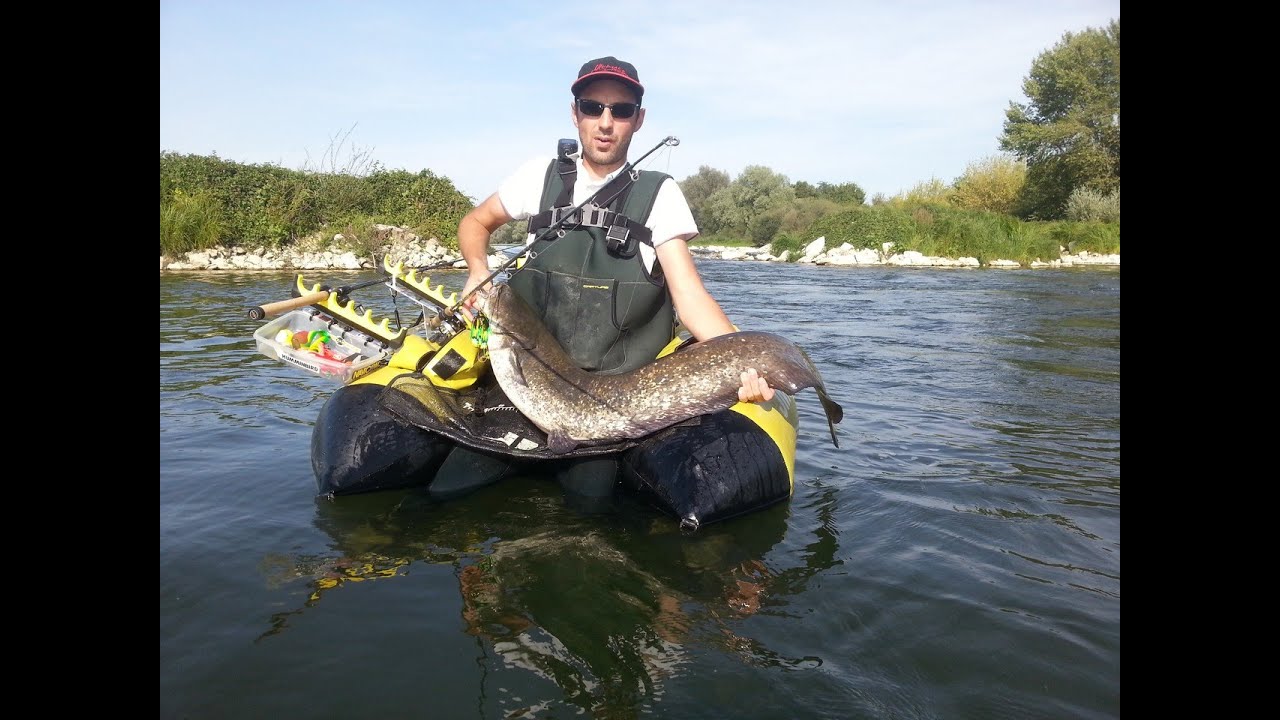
x=604 y=611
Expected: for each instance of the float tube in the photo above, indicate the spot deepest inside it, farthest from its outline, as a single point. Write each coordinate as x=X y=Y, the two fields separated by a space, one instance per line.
x=406 y=400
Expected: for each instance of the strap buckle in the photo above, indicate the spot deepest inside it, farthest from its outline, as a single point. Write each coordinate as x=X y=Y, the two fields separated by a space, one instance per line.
x=616 y=240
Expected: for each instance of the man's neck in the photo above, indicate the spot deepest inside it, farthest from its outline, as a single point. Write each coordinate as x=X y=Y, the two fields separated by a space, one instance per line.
x=596 y=172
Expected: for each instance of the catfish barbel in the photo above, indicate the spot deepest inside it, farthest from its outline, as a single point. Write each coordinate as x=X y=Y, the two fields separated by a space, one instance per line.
x=579 y=408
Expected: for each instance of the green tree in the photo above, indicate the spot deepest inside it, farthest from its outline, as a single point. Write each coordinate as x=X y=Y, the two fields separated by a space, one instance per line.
x=844 y=193
x=513 y=233
x=742 y=206
x=796 y=217
x=1069 y=131
x=700 y=186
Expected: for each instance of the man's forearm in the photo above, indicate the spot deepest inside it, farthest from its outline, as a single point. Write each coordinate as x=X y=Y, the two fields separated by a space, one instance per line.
x=473 y=243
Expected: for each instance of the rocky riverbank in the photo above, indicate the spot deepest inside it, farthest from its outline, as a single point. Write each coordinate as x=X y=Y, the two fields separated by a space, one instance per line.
x=414 y=252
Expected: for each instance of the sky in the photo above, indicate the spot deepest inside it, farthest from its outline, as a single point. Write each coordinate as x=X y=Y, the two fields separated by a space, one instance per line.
x=885 y=94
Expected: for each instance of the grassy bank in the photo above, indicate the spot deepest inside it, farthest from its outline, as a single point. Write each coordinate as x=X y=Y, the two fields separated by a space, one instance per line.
x=206 y=202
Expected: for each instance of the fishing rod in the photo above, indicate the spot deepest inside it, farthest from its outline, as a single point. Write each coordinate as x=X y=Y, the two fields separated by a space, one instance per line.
x=259 y=312
x=572 y=215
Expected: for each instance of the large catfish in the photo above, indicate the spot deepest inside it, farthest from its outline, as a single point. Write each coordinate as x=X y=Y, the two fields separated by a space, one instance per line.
x=578 y=408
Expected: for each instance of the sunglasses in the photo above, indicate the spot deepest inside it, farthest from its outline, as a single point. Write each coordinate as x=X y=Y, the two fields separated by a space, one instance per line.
x=591 y=108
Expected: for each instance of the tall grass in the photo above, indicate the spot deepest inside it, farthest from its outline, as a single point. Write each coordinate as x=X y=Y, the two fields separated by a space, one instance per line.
x=939 y=229
x=188 y=223
x=947 y=232
x=1095 y=237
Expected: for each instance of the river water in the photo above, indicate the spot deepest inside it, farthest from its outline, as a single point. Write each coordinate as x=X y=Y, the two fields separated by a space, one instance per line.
x=958 y=556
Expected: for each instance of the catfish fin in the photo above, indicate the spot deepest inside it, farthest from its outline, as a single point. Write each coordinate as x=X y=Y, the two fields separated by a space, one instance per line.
x=559 y=443
x=835 y=413
x=518 y=370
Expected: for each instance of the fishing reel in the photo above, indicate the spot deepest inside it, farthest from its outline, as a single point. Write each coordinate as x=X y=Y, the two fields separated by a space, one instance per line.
x=442 y=327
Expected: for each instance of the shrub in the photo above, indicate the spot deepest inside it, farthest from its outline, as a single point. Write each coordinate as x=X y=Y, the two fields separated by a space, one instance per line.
x=784 y=242
x=865 y=227
x=1085 y=205
x=930 y=192
x=763 y=227
x=992 y=184
x=269 y=205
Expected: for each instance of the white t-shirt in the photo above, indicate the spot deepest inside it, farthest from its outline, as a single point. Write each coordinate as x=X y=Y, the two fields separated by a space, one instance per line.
x=521 y=195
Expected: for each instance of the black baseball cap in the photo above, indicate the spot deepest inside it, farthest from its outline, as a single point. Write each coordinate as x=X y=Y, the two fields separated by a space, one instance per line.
x=608 y=67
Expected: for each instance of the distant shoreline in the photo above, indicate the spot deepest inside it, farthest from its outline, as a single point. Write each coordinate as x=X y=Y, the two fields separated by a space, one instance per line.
x=432 y=255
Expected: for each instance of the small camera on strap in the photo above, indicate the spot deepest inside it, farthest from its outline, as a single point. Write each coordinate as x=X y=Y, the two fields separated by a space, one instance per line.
x=617 y=239
x=567 y=149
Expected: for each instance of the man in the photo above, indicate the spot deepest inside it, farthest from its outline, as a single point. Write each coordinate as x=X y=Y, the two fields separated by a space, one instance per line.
x=610 y=285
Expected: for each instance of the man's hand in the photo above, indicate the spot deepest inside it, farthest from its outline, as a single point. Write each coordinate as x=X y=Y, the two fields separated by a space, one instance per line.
x=474 y=231
x=754 y=388
x=474 y=280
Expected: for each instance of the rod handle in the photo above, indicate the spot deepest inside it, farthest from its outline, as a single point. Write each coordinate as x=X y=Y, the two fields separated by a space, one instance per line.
x=275 y=308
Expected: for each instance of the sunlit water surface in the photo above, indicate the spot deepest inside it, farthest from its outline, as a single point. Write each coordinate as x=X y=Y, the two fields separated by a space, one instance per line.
x=958 y=556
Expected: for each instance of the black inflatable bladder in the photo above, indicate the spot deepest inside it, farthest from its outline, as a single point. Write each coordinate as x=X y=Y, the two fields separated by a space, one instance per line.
x=358 y=447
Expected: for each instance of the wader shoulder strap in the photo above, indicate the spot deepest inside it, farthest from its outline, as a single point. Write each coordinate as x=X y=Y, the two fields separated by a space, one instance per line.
x=643 y=194
x=557 y=193
x=634 y=200
x=567 y=172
